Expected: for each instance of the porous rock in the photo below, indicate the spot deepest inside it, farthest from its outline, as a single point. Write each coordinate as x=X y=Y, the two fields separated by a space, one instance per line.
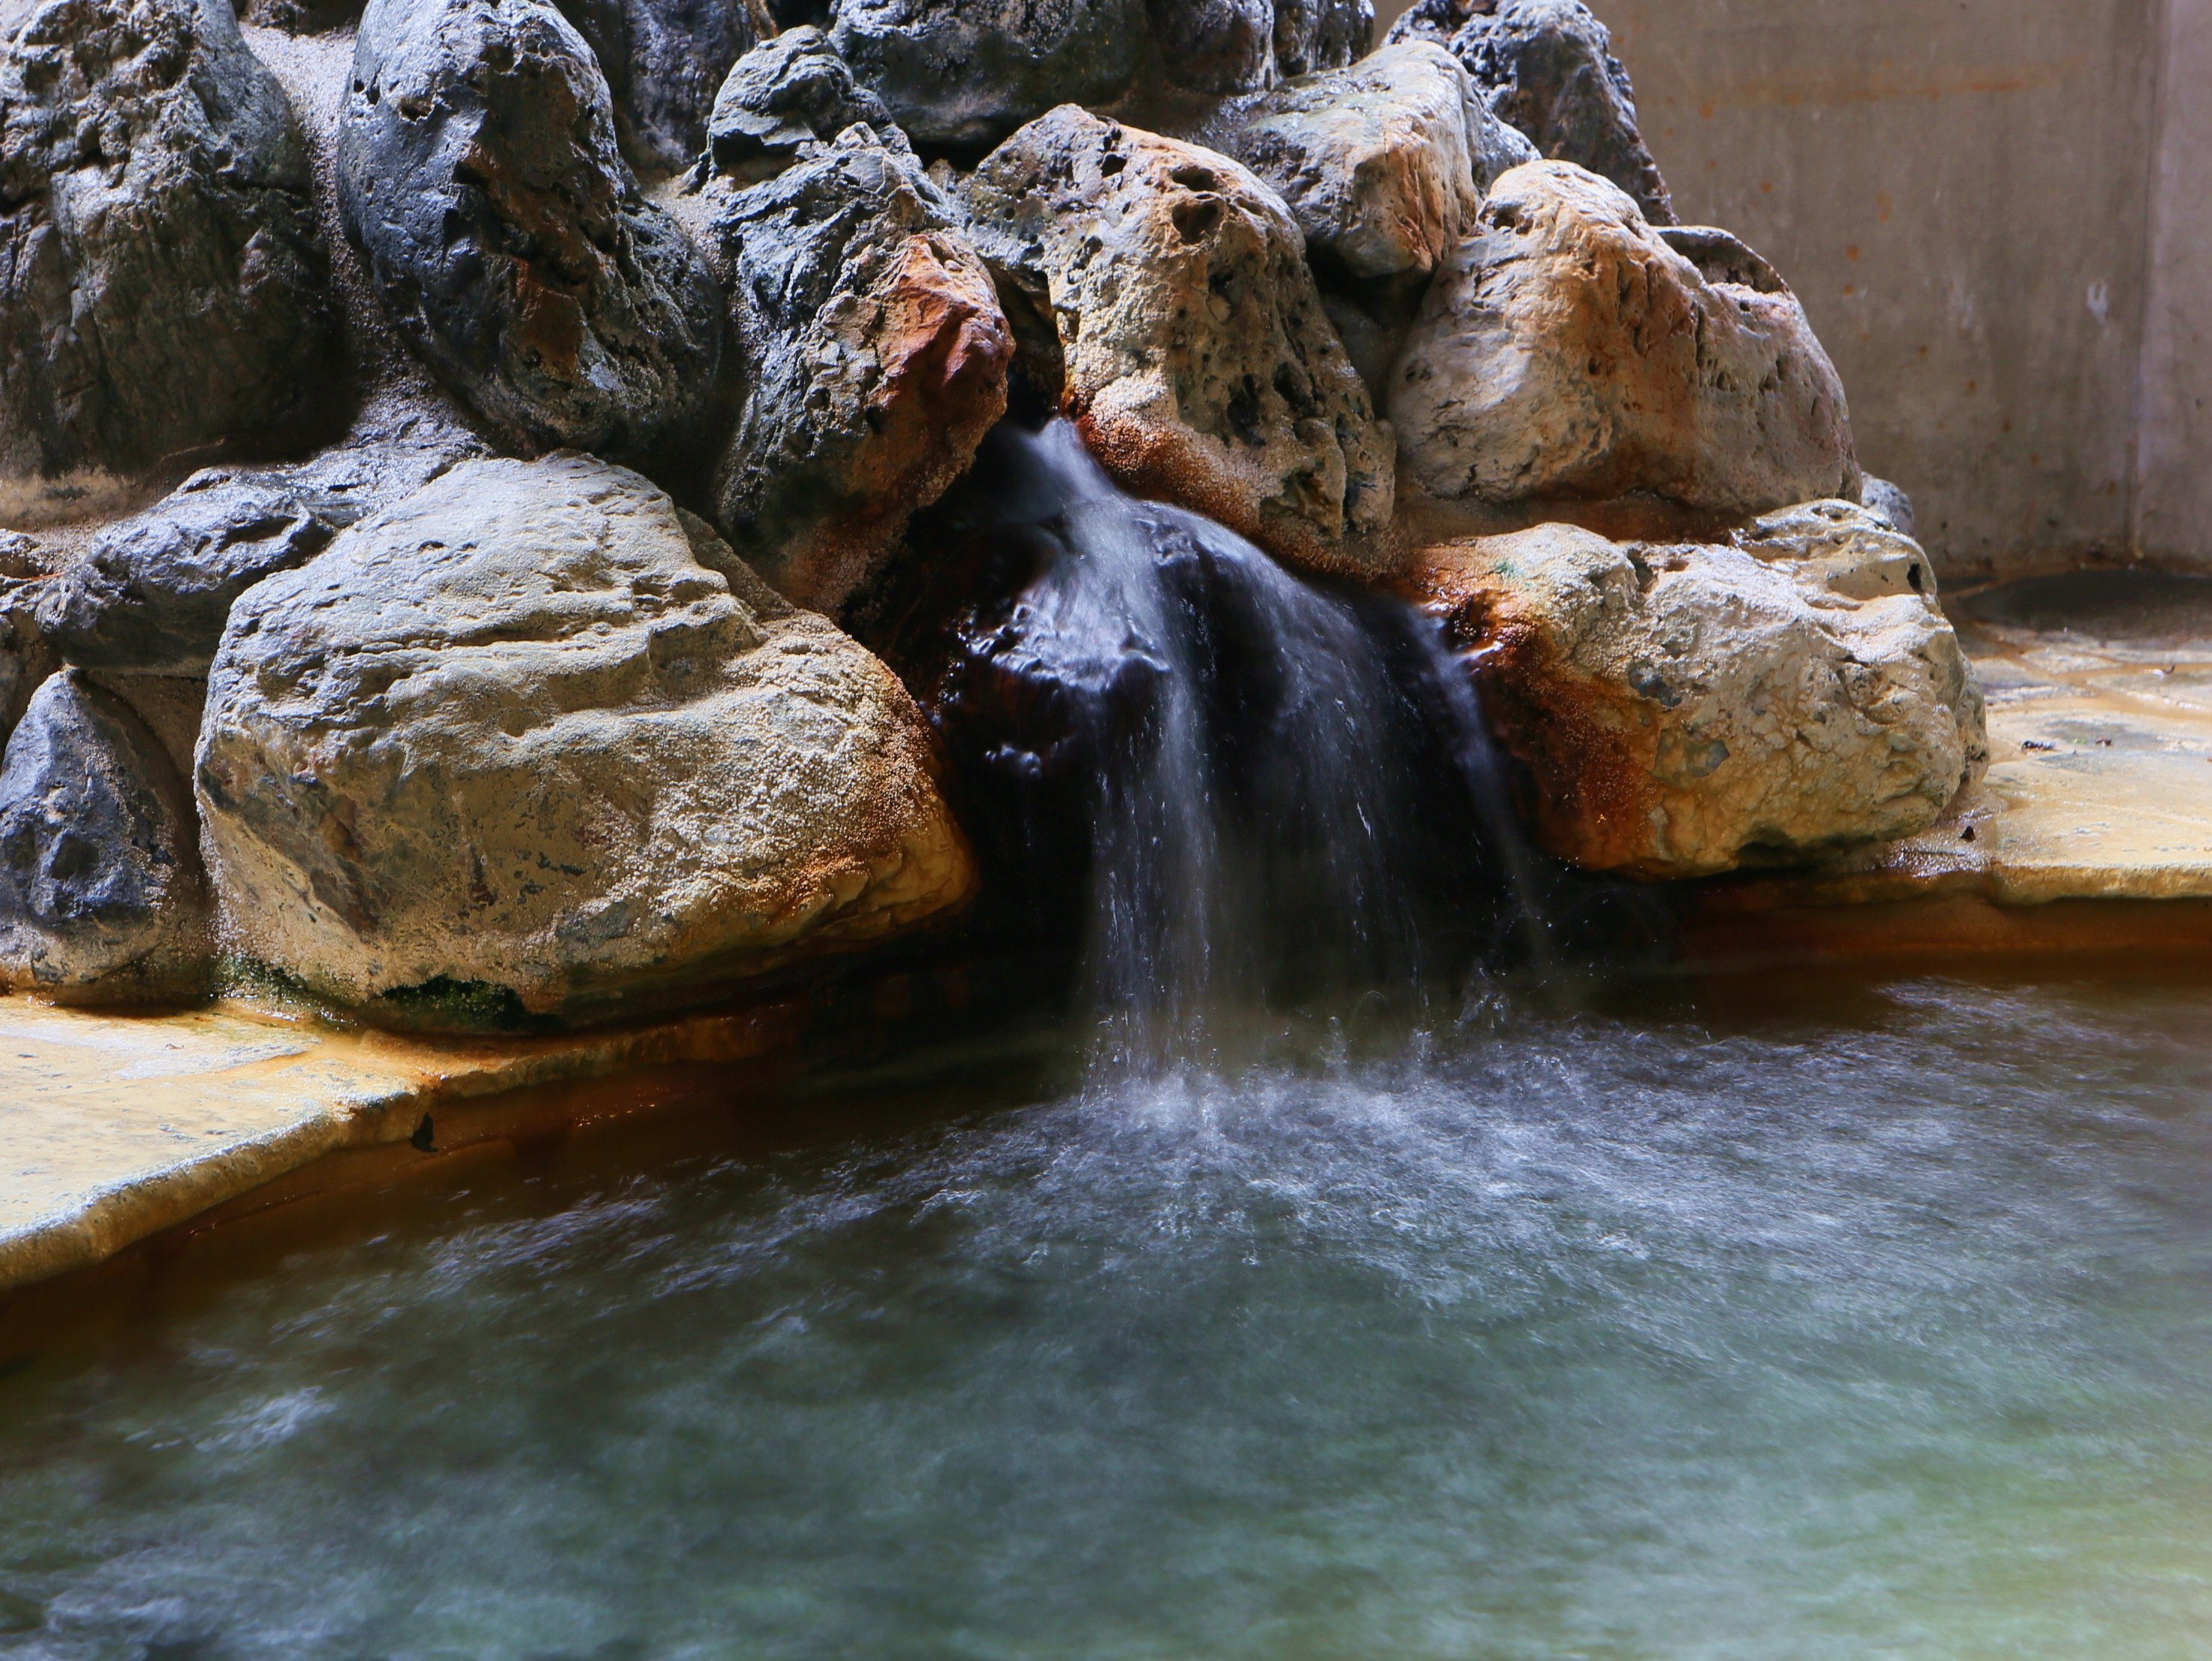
x=1195 y=355
x=1244 y=45
x=785 y=98
x=665 y=61
x=1685 y=710
x=102 y=899
x=510 y=745
x=162 y=283
x=876 y=360
x=1569 y=350
x=1547 y=67
x=965 y=73
x=1383 y=165
x=151 y=594
x=479 y=173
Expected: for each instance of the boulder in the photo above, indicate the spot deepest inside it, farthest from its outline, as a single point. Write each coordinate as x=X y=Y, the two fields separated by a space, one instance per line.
x=1685 y=710
x=300 y=16
x=1383 y=165
x=162 y=283
x=876 y=360
x=511 y=748
x=786 y=99
x=478 y=172
x=1244 y=45
x=151 y=594
x=1889 y=502
x=26 y=657
x=1569 y=349
x=1195 y=356
x=1547 y=67
x=965 y=73
x=102 y=899
x=665 y=61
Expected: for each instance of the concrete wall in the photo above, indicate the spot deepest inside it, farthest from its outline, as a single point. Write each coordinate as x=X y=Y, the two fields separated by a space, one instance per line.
x=1992 y=210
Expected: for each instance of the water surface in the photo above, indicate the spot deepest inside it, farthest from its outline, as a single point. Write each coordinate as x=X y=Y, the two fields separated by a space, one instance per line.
x=1857 y=1323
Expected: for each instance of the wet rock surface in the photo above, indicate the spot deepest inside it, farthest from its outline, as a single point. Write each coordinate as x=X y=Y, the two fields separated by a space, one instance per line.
x=784 y=99
x=1547 y=67
x=876 y=360
x=965 y=73
x=1684 y=710
x=1569 y=348
x=101 y=893
x=151 y=594
x=510 y=748
x=478 y=172
x=1194 y=353
x=665 y=61
x=163 y=284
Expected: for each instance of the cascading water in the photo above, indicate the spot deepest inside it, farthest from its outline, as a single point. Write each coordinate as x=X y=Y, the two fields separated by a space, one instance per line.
x=1284 y=789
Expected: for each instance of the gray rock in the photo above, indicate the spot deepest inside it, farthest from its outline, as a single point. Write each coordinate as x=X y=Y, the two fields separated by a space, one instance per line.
x=151 y=594
x=479 y=173
x=784 y=99
x=966 y=73
x=1313 y=35
x=1568 y=349
x=162 y=283
x=1889 y=502
x=1547 y=67
x=1195 y=355
x=26 y=657
x=876 y=361
x=1383 y=165
x=664 y=61
x=302 y=16
x=101 y=894
x=534 y=741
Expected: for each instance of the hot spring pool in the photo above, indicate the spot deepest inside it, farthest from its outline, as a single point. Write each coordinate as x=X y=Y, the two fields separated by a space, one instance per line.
x=1863 y=1322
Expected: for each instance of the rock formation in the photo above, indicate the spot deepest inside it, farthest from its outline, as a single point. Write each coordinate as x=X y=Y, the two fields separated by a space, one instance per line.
x=876 y=361
x=162 y=281
x=1571 y=350
x=784 y=99
x=479 y=174
x=512 y=746
x=1547 y=67
x=1194 y=353
x=1685 y=710
x=664 y=60
x=101 y=894
x=1244 y=45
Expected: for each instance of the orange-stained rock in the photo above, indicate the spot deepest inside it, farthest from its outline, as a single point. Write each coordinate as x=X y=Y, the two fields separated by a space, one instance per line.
x=1686 y=710
x=877 y=358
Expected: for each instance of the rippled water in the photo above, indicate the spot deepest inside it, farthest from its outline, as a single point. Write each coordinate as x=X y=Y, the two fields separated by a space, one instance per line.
x=1878 y=1326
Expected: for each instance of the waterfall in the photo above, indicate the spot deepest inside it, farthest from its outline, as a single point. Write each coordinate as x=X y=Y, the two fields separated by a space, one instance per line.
x=1285 y=788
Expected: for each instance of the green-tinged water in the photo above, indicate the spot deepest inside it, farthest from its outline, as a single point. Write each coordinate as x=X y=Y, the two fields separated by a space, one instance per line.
x=1877 y=1326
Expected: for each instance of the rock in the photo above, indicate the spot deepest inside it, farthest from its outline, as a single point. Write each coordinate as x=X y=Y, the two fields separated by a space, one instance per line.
x=965 y=73
x=302 y=16
x=1567 y=351
x=1547 y=67
x=1245 y=45
x=162 y=283
x=1887 y=502
x=664 y=60
x=152 y=594
x=102 y=895
x=1195 y=356
x=1383 y=165
x=478 y=172
x=511 y=747
x=1685 y=710
x=26 y=657
x=876 y=361
x=783 y=100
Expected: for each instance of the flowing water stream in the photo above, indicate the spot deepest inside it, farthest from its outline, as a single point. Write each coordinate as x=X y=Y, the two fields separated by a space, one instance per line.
x=1292 y=1318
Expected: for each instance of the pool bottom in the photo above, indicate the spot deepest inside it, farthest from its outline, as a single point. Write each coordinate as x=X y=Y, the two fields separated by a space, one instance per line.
x=1866 y=1324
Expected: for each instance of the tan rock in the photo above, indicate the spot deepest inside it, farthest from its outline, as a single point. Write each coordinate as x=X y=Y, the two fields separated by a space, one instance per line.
x=511 y=742
x=1684 y=710
x=1569 y=349
x=1384 y=164
x=1197 y=359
